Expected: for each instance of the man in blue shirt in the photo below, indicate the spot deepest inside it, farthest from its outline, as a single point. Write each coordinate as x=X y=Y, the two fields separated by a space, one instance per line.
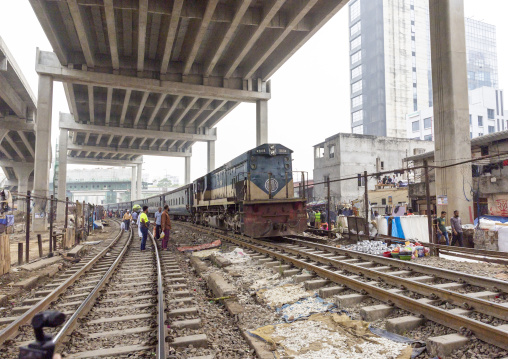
x=158 y=216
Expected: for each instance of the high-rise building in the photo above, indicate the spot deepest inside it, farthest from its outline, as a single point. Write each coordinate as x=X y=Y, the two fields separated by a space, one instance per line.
x=481 y=54
x=391 y=73
x=390 y=64
x=486 y=115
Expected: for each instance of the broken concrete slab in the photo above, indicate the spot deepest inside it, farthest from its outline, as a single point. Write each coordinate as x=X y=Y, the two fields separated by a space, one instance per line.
x=219 y=286
x=76 y=251
x=40 y=264
x=444 y=345
x=402 y=325
x=233 y=307
x=199 y=266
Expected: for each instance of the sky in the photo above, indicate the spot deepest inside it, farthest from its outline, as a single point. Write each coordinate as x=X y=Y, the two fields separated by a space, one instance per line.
x=310 y=92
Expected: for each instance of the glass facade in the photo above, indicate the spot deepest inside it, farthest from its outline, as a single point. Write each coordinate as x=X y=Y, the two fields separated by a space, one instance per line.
x=481 y=52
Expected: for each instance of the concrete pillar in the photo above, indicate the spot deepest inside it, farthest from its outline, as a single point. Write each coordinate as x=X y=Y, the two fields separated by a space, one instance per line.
x=187 y=170
x=261 y=122
x=210 y=163
x=62 y=174
x=139 y=181
x=133 y=184
x=22 y=174
x=42 y=150
x=451 y=108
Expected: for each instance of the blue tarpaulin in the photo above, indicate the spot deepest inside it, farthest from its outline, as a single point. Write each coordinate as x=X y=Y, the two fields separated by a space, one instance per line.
x=492 y=218
x=8 y=220
x=397 y=228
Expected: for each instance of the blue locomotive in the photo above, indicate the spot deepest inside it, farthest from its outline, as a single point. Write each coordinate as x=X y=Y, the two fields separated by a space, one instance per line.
x=252 y=194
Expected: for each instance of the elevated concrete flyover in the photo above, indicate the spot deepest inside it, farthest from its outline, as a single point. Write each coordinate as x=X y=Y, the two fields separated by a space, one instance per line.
x=17 y=123
x=176 y=67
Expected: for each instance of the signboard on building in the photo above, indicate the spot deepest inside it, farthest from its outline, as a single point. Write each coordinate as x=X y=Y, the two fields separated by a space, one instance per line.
x=442 y=200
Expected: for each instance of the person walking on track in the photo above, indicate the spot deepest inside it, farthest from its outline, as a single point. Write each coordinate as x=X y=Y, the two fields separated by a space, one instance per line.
x=158 y=216
x=143 y=226
x=127 y=218
x=317 y=220
x=457 y=233
x=166 y=226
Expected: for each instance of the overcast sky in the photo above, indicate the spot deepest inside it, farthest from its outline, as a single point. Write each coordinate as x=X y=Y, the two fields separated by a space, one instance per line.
x=310 y=93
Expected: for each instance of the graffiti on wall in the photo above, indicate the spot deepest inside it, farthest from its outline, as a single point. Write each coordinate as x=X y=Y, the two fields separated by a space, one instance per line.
x=498 y=205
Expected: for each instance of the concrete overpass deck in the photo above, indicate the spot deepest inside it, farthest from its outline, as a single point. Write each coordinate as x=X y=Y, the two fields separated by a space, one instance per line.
x=17 y=122
x=153 y=77
x=175 y=67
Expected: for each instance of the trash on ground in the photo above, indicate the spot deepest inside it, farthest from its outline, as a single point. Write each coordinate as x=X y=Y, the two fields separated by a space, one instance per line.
x=304 y=308
x=214 y=244
x=328 y=336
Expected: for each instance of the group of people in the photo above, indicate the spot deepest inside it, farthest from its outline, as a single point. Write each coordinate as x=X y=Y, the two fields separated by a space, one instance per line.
x=319 y=219
x=162 y=225
x=455 y=223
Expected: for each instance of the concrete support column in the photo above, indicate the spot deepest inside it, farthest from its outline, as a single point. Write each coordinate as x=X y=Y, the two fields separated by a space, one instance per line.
x=451 y=108
x=210 y=163
x=22 y=174
x=187 y=170
x=139 y=181
x=261 y=122
x=133 y=183
x=42 y=150
x=62 y=174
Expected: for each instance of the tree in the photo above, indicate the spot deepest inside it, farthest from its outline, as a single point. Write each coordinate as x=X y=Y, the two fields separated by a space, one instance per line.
x=165 y=182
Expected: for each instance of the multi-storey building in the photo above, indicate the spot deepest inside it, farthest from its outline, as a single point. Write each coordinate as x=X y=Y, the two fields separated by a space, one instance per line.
x=347 y=155
x=486 y=115
x=391 y=73
x=481 y=54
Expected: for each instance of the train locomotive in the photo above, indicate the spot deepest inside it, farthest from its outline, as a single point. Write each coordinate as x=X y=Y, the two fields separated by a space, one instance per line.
x=252 y=194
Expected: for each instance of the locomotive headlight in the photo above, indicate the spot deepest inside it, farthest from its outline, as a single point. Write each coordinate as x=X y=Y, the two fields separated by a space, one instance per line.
x=286 y=159
x=272 y=153
x=253 y=166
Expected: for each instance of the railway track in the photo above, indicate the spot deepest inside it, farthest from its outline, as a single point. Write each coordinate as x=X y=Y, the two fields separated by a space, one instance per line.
x=103 y=292
x=468 y=304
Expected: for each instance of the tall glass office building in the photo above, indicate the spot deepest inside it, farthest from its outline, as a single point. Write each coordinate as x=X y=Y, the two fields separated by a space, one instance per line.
x=481 y=54
x=391 y=73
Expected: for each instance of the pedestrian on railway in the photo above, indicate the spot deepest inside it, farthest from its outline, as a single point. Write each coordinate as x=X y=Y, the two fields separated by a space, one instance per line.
x=134 y=216
x=166 y=226
x=318 y=219
x=158 y=216
x=143 y=226
x=127 y=218
x=312 y=218
x=456 y=224
x=441 y=228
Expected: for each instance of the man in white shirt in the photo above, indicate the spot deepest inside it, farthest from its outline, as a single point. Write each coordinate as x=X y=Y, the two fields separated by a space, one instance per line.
x=158 y=216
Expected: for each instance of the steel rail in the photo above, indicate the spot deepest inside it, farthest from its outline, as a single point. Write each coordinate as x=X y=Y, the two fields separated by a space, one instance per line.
x=12 y=329
x=491 y=308
x=161 y=331
x=485 y=332
x=89 y=301
x=490 y=283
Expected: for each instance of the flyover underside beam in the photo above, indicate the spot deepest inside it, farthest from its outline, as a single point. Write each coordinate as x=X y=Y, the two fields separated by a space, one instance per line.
x=101 y=162
x=127 y=151
x=68 y=123
x=11 y=98
x=47 y=64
